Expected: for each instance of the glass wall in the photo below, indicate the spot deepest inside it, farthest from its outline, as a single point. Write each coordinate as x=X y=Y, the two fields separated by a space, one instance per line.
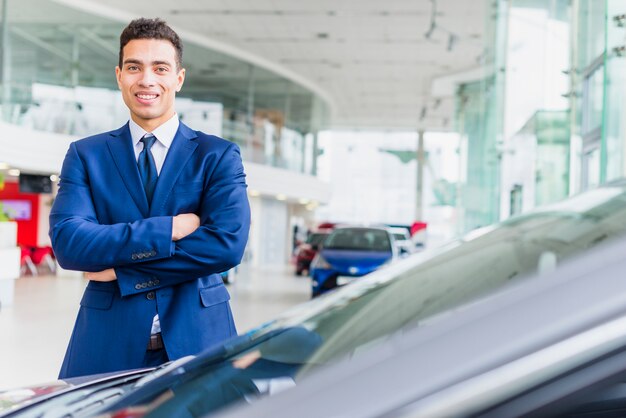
x=58 y=75
x=588 y=79
x=535 y=160
x=615 y=90
x=477 y=126
x=549 y=116
x=551 y=134
x=479 y=121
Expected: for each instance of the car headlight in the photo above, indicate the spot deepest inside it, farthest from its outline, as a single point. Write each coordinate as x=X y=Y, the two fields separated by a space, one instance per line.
x=319 y=262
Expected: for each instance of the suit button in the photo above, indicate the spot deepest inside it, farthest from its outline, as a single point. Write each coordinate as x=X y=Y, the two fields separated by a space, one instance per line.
x=150 y=283
x=152 y=253
x=137 y=286
x=144 y=285
x=147 y=255
x=156 y=282
x=134 y=256
x=150 y=295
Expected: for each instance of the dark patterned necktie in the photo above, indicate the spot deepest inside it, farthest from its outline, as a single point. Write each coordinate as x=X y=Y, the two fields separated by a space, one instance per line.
x=147 y=167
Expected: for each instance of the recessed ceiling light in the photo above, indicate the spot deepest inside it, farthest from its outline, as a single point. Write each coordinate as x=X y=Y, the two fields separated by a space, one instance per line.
x=14 y=172
x=281 y=197
x=254 y=193
x=4 y=166
x=54 y=177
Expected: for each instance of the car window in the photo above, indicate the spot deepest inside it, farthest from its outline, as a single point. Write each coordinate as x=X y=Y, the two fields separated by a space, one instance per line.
x=609 y=401
x=340 y=324
x=316 y=239
x=358 y=239
x=400 y=237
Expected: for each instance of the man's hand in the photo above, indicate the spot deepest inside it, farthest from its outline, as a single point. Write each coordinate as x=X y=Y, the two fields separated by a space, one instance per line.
x=107 y=275
x=183 y=225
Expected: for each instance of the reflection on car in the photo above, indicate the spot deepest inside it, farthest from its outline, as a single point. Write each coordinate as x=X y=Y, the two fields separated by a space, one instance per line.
x=349 y=322
x=552 y=346
x=349 y=253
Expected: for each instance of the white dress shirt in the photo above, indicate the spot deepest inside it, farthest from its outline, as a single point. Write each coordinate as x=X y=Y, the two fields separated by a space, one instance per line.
x=164 y=137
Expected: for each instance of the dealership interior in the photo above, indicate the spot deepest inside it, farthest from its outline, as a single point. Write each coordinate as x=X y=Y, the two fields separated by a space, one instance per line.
x=412 y=168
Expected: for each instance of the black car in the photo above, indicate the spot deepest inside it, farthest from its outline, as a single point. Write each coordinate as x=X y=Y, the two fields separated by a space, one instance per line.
x=352 y=320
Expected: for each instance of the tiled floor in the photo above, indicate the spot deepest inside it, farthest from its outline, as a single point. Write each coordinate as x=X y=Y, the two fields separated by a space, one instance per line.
x=34 y=331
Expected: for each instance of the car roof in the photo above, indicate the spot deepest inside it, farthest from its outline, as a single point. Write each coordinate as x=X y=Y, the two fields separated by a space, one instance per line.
x=456 y=363
x=398 y=230
x=377 y=227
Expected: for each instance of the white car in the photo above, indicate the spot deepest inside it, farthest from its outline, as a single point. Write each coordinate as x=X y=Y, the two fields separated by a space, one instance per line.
x=402 y=240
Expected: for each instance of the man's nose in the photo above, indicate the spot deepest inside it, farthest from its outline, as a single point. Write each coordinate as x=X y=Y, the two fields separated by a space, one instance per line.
x=147 y=79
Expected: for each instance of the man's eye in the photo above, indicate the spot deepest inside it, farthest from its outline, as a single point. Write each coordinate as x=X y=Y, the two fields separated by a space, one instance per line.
x=132 y=68
x=161 y=69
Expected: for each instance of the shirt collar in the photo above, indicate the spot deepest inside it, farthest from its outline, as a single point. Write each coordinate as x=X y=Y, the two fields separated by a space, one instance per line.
x=164 y=133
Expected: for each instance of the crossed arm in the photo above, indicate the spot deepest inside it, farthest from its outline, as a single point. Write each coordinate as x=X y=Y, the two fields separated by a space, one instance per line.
x=172 y=249
x=182 y=225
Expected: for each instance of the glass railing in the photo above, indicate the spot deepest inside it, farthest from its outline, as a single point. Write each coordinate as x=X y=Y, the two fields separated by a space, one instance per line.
x=84 y=111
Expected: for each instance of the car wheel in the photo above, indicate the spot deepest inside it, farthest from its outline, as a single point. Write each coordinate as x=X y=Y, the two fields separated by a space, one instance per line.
x=330 y=283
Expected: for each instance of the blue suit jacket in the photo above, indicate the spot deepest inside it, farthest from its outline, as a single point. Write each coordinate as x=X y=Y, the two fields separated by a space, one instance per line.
x=101 y=219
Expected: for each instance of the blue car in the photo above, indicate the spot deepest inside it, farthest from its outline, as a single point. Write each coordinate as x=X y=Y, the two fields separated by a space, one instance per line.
x=349 y=253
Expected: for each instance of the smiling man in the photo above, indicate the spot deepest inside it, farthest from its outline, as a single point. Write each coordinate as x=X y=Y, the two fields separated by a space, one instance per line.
x=153 y=212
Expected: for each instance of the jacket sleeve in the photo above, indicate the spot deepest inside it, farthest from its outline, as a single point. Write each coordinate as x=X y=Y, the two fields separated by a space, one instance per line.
x=216 y=246
x=81 y=243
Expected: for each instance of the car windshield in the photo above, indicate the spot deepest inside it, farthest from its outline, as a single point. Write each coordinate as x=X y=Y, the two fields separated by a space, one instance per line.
x=345 y=322
x=399 y=237
x=316 y=238
x=358 y=239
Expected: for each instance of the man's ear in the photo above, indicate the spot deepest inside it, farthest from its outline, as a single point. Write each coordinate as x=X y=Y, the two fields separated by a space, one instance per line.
x=118 y=76
x=181 y=79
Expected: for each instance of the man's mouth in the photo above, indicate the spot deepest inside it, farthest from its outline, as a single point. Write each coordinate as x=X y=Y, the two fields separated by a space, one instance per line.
x=147 y=96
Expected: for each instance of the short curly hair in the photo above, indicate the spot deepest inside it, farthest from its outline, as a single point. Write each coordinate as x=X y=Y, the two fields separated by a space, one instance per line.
x=143 y=28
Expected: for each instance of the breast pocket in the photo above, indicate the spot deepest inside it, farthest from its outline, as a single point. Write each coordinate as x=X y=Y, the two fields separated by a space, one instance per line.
x=212 y=296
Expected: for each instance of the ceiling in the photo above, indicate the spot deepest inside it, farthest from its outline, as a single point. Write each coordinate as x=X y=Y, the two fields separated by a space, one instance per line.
x=375 y=61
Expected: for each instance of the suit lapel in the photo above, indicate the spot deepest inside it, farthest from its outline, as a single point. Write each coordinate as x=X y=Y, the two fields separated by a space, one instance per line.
x=121 y=148
x=179 y=153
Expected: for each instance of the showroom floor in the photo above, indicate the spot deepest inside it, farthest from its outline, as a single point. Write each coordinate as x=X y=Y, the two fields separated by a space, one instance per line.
x=34 y=331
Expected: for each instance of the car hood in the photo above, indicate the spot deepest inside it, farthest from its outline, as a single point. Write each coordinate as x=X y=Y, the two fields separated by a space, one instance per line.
x=23 y=399
x=364 y=261
x=13 y=399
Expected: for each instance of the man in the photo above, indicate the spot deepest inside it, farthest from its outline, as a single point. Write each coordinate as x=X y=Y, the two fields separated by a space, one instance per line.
x=152 y=211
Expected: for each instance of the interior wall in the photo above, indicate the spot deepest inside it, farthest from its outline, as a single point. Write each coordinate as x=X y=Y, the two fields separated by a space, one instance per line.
x=274 y=223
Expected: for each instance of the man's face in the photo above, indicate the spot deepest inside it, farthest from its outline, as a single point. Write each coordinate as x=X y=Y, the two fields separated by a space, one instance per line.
x=149 y=80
